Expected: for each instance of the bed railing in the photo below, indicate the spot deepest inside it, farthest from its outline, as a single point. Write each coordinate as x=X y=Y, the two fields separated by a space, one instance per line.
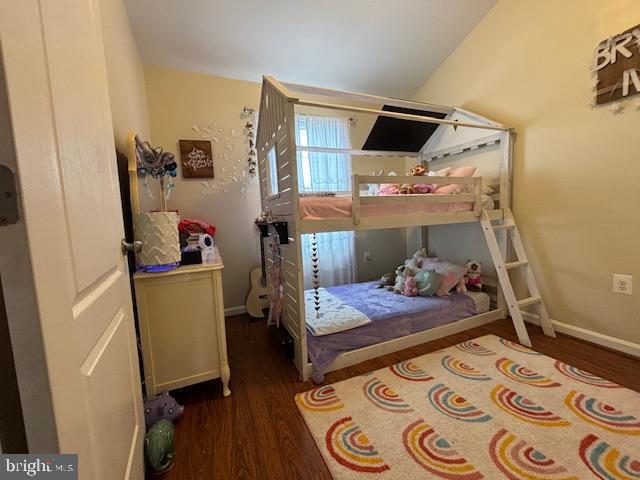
x=359 y=200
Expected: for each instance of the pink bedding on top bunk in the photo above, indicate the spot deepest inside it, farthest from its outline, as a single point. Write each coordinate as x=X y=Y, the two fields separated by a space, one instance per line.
x=321 y=208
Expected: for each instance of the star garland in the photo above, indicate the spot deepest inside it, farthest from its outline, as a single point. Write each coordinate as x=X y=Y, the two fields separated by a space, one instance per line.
x=316 y=271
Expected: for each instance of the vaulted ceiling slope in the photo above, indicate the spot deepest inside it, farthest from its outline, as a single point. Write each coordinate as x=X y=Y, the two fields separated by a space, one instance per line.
x=386 y=47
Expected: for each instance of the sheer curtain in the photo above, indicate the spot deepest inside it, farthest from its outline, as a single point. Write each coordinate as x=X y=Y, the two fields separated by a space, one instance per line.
x=326 y=172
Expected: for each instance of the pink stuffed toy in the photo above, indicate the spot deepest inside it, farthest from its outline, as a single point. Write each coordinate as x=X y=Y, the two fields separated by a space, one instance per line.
x=473 y=278
x=389 y=189
x=410 y=284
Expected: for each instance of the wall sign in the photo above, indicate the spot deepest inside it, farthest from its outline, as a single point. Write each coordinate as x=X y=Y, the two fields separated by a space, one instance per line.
x=616 y=65
x=197 y=158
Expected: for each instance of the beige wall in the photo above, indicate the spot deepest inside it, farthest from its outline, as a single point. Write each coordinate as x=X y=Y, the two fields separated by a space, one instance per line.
x=178 y=101
x=125 y=74
x=527 y=64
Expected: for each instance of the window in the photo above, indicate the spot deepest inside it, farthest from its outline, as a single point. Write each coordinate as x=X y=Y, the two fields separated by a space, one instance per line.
x=326 y=172
x=304 y=171
x=272 y=171
x=323 y=171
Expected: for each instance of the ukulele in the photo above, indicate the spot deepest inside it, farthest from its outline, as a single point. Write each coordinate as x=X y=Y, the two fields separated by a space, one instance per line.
x=258 y=298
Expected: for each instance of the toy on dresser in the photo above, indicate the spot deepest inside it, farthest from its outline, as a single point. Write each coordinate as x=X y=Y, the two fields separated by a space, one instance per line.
x=473 y=278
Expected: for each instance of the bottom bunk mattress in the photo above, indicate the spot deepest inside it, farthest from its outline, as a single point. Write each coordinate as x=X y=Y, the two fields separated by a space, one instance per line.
x=392 y=316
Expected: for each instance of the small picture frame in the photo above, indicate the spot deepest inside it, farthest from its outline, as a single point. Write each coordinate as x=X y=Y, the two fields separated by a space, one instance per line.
x=197 y=158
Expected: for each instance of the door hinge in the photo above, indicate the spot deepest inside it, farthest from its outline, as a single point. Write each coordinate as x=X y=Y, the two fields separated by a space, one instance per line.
x=8 y=197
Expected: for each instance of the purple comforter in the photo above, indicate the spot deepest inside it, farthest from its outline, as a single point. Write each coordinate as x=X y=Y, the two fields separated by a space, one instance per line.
x=392 y=316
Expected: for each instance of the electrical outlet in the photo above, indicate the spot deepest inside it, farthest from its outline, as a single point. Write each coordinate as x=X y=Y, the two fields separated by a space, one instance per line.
x=367 y=256
x=622 y=284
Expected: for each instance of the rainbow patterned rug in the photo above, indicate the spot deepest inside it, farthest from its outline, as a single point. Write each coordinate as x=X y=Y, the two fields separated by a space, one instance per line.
x=486 y=408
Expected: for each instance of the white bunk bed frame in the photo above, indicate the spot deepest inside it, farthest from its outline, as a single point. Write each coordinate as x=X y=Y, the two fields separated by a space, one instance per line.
x=276 y=134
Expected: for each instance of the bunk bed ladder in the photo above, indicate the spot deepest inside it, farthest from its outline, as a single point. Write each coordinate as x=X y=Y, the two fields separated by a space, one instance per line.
x=502 y=268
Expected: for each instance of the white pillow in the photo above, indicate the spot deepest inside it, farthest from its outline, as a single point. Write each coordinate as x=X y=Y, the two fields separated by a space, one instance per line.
x=439 y=173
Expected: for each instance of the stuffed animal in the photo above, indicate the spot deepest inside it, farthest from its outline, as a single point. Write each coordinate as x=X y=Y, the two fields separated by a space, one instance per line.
x=406 y=189
x=387 y=280
x=398 y=286
x=162 y=406
x=417 y=259
x=410 y=284
x=417 y=171
x=416 y=188
x=389 y=188
x=159 y=446
x=411 y=188
x=461 y=287
x=473 y=278
x=427 y=282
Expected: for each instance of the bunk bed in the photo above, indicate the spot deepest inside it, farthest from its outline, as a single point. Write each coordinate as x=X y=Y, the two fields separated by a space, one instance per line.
x=412 y=320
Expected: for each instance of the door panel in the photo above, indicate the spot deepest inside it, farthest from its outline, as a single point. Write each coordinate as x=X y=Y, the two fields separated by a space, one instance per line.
x=85 y=137
x=113 y=411
x=71 y=203
x=96 y=307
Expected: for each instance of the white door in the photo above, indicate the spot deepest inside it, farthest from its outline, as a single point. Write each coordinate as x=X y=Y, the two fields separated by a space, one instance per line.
x=57 y=87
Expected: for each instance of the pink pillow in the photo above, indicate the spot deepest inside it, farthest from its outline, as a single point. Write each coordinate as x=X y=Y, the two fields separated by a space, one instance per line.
x=448 y=189
x=454 y=187
x=462 y=172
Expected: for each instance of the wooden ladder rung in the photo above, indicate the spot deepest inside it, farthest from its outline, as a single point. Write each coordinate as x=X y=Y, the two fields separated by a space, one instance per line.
x=503 y=227
x=528 y=301
x=519 y=263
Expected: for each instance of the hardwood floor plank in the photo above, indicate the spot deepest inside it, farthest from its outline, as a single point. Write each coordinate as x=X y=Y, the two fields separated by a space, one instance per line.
x=258 y=433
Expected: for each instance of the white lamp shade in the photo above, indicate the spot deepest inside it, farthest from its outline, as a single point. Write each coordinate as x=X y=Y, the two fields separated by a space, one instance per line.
x=158 y=232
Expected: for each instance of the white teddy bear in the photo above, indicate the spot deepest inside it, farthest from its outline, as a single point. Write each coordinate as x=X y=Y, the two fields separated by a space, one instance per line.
x=416 y=260
x=398 y=287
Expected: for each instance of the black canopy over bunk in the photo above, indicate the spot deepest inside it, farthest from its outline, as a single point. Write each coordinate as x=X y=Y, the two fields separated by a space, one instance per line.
x=396 y=134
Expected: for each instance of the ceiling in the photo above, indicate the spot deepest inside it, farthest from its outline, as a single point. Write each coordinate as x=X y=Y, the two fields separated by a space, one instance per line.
x=384 y=47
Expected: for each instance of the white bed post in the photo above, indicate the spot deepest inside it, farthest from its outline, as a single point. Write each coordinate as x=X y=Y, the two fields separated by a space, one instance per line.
x=506 y=173
x=477 y=190
x=301 y=361
x=355 y=199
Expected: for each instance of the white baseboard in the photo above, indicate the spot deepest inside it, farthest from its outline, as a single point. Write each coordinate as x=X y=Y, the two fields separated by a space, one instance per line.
x=239 y=310
x=613 y=343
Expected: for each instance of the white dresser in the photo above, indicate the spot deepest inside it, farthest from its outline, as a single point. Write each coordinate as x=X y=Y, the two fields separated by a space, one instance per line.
x=181 y=316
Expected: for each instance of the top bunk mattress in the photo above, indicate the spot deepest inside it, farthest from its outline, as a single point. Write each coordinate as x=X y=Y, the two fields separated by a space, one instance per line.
x=322 y=208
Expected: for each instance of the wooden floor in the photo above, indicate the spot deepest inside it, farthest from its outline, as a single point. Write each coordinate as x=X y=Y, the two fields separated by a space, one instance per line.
x=258 y=433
